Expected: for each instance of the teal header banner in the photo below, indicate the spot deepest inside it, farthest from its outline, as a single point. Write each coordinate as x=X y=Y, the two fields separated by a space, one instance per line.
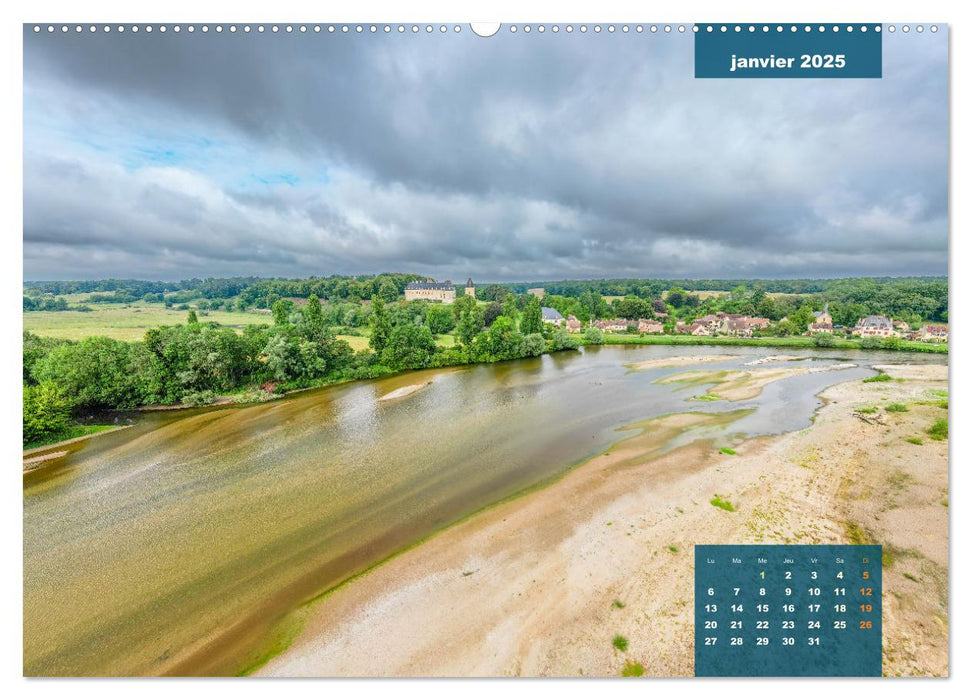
x=788 y=50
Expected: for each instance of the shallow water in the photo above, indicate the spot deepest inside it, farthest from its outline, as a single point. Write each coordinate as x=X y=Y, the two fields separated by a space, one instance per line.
x=178 y=545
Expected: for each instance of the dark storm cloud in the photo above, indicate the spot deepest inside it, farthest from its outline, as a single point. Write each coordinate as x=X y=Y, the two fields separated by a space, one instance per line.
x=519 y=156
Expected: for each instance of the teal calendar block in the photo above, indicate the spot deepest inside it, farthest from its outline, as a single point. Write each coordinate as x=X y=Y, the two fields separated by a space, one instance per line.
x=788 y=610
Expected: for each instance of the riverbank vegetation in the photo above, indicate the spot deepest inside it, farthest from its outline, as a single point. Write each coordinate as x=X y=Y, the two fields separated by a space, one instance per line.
x=122 y=344
x=795 y=341
x=199 y=363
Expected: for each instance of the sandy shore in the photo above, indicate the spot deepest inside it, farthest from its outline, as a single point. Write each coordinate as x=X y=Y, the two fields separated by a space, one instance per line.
x=774 y=358
x=680 y=361
x=736 y=385
x=541 y=584
x=404 y=391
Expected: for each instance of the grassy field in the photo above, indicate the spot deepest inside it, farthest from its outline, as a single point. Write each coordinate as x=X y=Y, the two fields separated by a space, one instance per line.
x=130 y=321
x=126 y=321
x=357 y=342
x=787 y=342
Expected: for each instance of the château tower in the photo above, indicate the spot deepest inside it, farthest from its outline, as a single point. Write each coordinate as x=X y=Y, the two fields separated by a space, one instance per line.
x=470 y=289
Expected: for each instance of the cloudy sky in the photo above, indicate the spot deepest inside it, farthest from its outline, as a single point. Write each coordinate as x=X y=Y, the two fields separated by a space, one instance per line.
x=516 y=157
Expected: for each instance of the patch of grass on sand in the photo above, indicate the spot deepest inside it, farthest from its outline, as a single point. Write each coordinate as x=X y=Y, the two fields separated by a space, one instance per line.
x=708 y=397
x=896 y=408
x=915 y=441
x=855 y=533
x=672 y=549
x=722 y=503
x=868 y=410
x=891 y=554
x=632 y=669
x=619 y=604
x=938 y=431
x=620 y=642
x=728 y=451
x=899 y=479
x=910 y=577
x=878 y=378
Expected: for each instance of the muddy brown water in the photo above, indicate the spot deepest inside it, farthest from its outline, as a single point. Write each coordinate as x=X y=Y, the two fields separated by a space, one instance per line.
x=180 y=546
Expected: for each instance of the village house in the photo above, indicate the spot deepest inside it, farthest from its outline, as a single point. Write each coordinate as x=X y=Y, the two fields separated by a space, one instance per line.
x=552 y=316
x=874 y=326
x=573 y=324
x=692 y=328
x=822 y=322
x=739 y=327
x=710 y=321
x=623 y=325
x=744 y=325
x=612 y=325
x=935 y=333
x=823 y=316
x=726 y=324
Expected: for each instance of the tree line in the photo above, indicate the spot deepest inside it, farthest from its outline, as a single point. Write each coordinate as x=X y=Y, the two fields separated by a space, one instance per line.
x=912 y=299
x=195 y=363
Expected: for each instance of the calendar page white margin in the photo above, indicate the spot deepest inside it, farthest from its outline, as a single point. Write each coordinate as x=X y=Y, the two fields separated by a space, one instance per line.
x=508 y=11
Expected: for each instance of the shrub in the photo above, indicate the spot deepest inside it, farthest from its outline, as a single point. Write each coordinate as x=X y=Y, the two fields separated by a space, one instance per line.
x=915 y=441
x=254 y=396
x=896 y=408
x=620 y=642
x=722 y=503
x=632 y=669
x=727 y=451
x=47 y=411
x=938 y=431
x=824 y=340
x=877 y=378
x=532 y=345
x=871 y=343
x=198 y=398
x=593 y=336
x=563 y=340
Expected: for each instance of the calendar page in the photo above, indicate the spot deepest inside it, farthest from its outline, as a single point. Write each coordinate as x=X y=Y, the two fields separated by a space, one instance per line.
x=612 y=349
x=788 y=610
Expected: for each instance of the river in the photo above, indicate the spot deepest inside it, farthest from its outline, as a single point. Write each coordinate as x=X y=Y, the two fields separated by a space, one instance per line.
x=180 y=545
